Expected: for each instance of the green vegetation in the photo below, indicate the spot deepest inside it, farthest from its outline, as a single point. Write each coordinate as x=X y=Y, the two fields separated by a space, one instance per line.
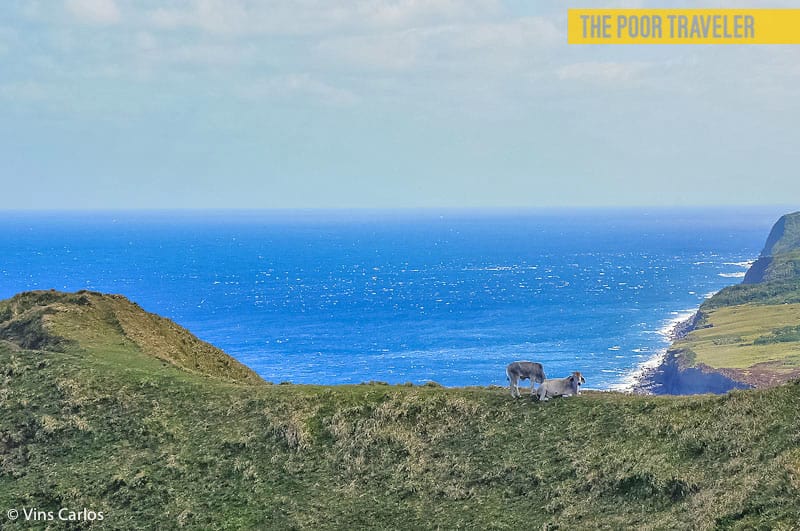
x=112 y=329
x=783 y=267
x=780 y=258
x=780 y=292
x=784 y=236
x=110 y=412
x=751 y=331
x=775 y=277
x=789 y=334
x=742 y=336
x=778 y=268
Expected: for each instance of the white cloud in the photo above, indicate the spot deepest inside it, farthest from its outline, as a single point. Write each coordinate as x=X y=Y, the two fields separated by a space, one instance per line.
x=158 y=53
x=28 y=91
x=232 y=17
x=415 y=12
x=7 y=36
x=146 y=41
x=296 y=85
x=468 y=46
x=31 y=9
x=412 y=53
x=94 y=11
x=209 y=15
x=604 y=73
x=522 y=33
x=213 y=55
x=391 y=51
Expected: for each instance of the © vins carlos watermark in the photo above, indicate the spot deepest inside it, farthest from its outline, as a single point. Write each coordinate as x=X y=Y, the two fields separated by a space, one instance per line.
x=65 y=514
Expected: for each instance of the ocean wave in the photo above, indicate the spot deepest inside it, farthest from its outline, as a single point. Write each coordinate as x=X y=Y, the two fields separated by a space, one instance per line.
x=633 y=377
x=739 y=274
x=491 y=268
x=745 y=264
x=668 y=330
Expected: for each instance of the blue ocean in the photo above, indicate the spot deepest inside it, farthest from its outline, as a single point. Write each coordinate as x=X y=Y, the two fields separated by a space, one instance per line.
x=452 y=296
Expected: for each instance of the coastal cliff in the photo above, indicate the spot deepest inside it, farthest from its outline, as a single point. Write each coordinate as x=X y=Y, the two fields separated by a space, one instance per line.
x=674 y=377
x=747 y=335
x=781 y=254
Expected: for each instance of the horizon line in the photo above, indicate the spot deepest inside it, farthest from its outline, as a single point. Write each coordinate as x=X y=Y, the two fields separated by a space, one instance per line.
x=357 y=209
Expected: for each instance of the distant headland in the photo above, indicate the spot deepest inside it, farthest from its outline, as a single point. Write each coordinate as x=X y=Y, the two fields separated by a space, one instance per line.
x=747 y=335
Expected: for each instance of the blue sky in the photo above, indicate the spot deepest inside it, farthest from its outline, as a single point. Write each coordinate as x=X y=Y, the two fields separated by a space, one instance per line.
x=379 y=103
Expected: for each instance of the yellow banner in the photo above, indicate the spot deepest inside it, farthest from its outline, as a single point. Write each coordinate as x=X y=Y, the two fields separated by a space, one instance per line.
x=683 y=26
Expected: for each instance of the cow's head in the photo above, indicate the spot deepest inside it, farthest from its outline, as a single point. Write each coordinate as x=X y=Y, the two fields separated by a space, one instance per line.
x=577 y=379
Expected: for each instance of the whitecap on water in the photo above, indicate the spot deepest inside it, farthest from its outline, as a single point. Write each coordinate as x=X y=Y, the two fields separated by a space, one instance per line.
x=745 y=264
x=738 y=274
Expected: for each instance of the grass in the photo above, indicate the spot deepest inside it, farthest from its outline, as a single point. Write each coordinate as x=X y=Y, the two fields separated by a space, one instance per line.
x=785 y=266
x=787 y=334
x=751 y=331
x=779 y=292
x=153 y=442
x=784 y=237
x=114 y=327
x=741 y=336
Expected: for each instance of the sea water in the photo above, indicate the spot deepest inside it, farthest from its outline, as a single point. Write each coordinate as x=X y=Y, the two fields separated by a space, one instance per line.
x=335 y=297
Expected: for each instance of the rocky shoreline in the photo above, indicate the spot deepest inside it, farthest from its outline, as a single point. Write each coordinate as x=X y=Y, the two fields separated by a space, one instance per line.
x=672 y=377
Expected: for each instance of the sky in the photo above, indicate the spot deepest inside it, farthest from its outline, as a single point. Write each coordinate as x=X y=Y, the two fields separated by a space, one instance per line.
x=139 y=104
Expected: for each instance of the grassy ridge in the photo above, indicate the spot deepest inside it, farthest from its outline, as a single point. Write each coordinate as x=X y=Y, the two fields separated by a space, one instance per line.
x=111 y=327
x=106 y=425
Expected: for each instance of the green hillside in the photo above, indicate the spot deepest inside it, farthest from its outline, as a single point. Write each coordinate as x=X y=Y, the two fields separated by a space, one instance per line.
x=114 y=330
x=780 y=258
x=784 y=236
x=757 y=344
x=97 y=413
x=751 y=332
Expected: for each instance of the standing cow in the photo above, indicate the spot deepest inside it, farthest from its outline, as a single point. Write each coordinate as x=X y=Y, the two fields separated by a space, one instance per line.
x=561 y=386
x=524 y=370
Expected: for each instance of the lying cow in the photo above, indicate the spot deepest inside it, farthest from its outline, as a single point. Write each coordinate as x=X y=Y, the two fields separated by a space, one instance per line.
x=524 y=370
x=561 y=386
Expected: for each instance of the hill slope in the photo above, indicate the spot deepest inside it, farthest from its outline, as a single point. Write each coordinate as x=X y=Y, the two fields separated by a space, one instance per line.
x=113 y=328
x=89 y=418
x=780 y=258
x=747 y=334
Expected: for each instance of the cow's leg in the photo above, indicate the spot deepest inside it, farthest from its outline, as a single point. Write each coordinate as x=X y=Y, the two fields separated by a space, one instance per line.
x=542 y=394
x=512 y=378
